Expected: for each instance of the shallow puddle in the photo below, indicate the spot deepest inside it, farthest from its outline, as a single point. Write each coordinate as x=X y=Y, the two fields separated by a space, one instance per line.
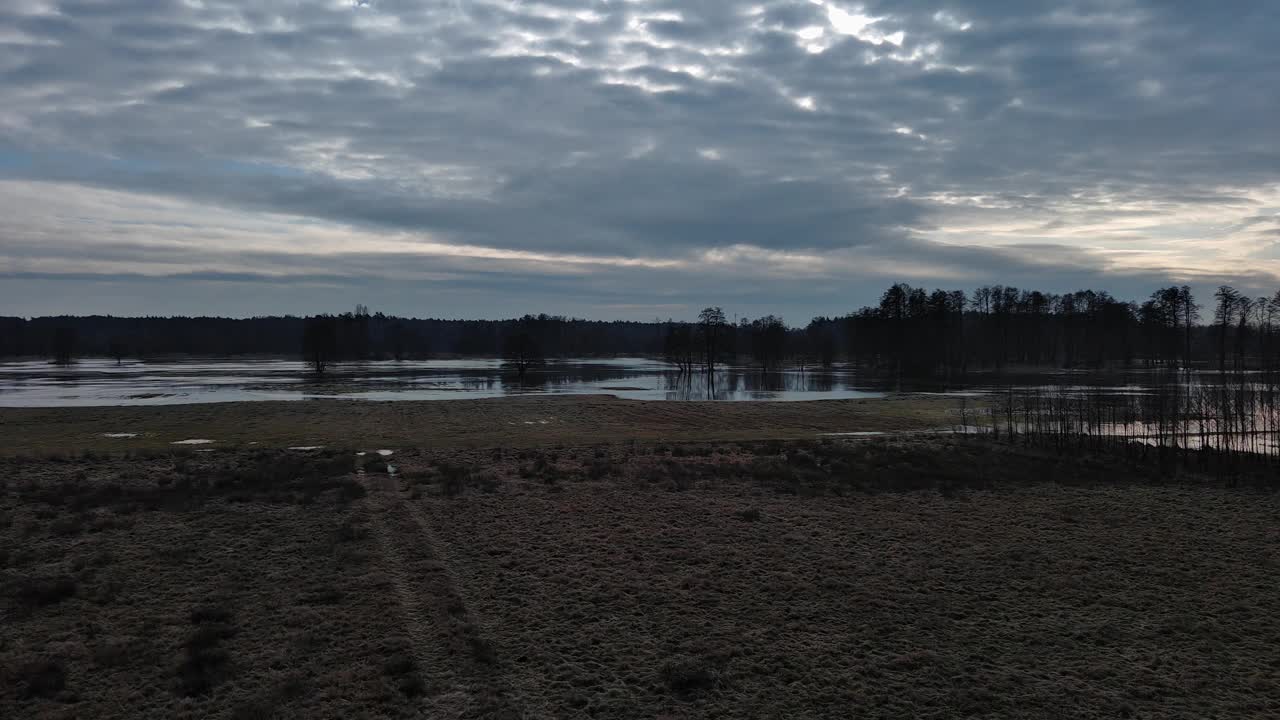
x=856 y=433
x=307 y=447
x=192 y=441
x=120 y=435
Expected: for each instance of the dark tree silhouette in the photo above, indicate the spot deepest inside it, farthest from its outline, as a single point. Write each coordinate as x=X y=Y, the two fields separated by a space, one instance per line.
x=396 y=339
x=679 y=348
x=1270 y=318
x=64 y=345
x=1190 y=316
x=820 y=341
x=320 y=342
x=1223 y=319
x=116 y=349
x=520 y=347
x=768 y=340
x=711 y=326
x=911 y=331
x=1244 y=312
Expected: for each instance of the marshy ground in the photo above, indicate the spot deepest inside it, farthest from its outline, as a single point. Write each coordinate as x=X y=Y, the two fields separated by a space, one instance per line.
x=525 y=421
x=924 y=577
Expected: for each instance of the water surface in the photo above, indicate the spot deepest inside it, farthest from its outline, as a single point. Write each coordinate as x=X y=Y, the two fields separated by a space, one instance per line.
x=90 y=382
x=93 y=382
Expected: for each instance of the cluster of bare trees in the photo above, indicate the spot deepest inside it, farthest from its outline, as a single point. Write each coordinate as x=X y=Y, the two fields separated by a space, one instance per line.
x=1245 y=328
x=331 y=338
x=766 y=342
x=700 y=345
x=520 y=348
x=1226 y=423
x=915 y=331
x=358 y=335
x=911 y=331
x=1167 y=320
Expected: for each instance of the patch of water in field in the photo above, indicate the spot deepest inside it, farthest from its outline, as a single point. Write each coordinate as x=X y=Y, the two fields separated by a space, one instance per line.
x=91 y=382
x=853 y=433
x=102 y=382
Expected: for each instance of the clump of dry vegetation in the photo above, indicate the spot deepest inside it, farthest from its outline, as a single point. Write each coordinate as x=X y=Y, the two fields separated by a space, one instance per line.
x=206 y=663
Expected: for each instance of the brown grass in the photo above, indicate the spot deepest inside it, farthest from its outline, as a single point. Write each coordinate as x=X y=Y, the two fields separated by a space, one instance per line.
x=647 y=579
x=196 y=593
x=514 y=421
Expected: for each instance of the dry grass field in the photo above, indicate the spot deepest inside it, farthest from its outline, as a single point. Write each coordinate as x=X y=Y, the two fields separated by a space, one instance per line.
x=847 y=578
x=527 y=421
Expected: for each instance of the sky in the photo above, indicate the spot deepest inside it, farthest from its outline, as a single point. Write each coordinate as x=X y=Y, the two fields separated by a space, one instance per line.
x=630 y=159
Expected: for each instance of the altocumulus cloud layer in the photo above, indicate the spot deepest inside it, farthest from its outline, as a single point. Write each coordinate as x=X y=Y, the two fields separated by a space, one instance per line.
x=633 y=158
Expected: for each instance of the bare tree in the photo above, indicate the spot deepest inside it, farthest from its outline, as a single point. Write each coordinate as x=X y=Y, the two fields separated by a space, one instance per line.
x=711 y=324
x=320 y=342
x=678 y=347
x=1244 y=311
x=768 y=337
x=820 y=336
x=1223 y=317
x=520 y=348
x=1190 y=315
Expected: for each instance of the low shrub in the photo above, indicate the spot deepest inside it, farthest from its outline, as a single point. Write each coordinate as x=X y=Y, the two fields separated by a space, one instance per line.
x=43 y=678
x=403 y=670
x=36 y=592
x=688 y=676
x=206 y=664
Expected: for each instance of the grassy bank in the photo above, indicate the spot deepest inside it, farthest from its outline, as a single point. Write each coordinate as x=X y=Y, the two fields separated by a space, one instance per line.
x=527 y=421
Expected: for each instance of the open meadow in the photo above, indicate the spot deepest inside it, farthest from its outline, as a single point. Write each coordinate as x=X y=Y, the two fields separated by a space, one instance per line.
x=519 y=421
x=926 y=576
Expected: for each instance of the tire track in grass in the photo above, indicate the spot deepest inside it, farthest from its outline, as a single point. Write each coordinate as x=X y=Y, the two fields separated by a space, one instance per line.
x=457 y=666
x=501 y=699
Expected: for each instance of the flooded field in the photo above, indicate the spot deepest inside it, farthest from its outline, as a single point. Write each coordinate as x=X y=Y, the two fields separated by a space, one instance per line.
x=102 y=382
x=94 y=382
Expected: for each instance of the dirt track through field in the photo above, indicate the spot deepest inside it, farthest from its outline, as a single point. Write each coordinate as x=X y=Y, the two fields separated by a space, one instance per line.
x=460 y=673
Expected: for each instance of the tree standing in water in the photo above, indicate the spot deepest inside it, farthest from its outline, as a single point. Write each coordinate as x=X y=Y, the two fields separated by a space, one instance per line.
x=711 y=323
x=1223 y=316
x=520 y=349
x=319 y=342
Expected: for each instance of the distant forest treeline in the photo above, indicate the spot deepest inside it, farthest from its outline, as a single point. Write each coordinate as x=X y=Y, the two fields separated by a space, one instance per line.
x=911 y=330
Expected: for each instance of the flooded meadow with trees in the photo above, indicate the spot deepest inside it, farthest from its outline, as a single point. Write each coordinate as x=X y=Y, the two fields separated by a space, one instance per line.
x=1166 y=374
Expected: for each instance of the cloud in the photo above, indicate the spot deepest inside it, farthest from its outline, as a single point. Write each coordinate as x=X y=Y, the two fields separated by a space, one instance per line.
x=578 y=154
